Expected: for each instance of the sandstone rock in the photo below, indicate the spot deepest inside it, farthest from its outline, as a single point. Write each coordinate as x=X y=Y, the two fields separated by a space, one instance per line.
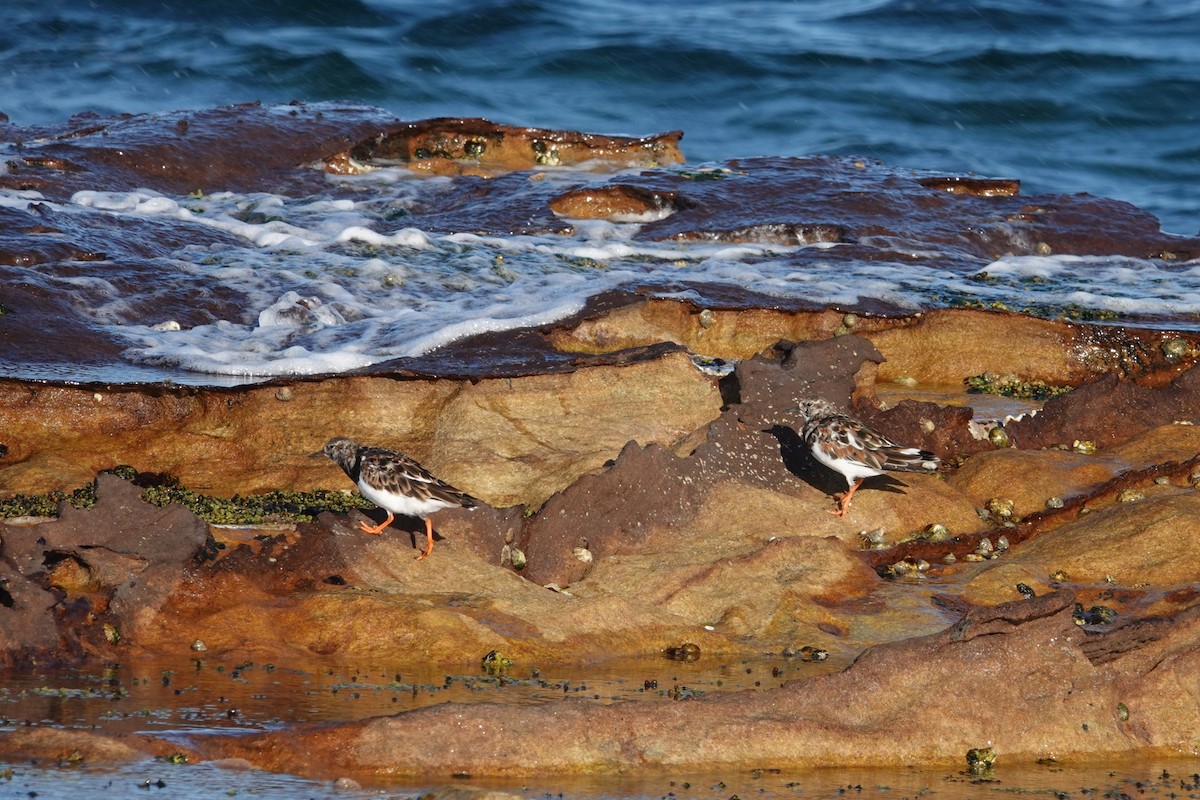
x=726 y=543
x=443 y=145
x=613 y=202
x=505 y=440
x=641 y=503
x=879 y=711
x=68 y=746
x=450 y=608
x=674 y=506
x=729 y=333
x=940 y=347
x=1065 y=473
x=1005 y=474
x=1153 y=542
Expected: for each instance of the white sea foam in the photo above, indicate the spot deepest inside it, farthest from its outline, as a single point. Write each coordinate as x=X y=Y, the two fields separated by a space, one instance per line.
x=20 y=198
x=330 y=284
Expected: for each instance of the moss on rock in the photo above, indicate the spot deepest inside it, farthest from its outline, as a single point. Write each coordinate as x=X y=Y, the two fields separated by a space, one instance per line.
x=278 y=507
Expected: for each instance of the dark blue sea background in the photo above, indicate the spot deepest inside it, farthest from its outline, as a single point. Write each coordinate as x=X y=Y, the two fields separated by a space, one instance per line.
x=1099 y=96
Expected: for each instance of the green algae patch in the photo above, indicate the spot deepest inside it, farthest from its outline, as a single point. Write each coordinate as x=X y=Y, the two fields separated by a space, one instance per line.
x=46 y=505
x=270 y=508
x=1008 y=385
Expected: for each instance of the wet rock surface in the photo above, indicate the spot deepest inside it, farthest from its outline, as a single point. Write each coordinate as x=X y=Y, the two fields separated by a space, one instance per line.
x=802 y=724
x=953 y=224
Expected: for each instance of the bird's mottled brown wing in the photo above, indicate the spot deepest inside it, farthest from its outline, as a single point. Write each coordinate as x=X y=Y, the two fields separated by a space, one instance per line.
x=837 y=437
x=396 y=472
x=896 y=457
x=846 y=438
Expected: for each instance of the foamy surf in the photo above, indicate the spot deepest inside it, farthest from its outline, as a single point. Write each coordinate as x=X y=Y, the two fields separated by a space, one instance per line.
x=318 y=285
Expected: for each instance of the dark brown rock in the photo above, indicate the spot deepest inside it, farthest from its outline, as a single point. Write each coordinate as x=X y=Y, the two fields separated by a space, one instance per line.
x=837 y=370
x=1108 y=411
x=1106 y=646
x=612 y=512
x=609 y=512
x=233 y=148
x=868 y=200
x=753 y=446
x=27 y=627
x=944 y=430
x=121 y=558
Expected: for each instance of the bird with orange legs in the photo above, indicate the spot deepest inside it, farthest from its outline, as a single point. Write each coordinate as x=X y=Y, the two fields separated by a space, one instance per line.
x=395 y=483
x=854 y=450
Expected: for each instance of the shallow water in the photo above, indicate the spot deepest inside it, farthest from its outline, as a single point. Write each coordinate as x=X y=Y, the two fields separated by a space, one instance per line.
x=187 y=696
x=1114 y=780
x=335 y=281
x=205 y=694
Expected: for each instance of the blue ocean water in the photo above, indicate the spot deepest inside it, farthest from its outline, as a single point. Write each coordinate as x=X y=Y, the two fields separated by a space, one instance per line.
x=1101 y=96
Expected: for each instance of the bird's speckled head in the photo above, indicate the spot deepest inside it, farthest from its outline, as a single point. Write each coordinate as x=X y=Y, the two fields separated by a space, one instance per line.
x=341 y=451
x=811 y=408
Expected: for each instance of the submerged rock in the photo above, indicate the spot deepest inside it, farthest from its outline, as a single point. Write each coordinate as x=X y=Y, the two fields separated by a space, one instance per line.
x=809 y=723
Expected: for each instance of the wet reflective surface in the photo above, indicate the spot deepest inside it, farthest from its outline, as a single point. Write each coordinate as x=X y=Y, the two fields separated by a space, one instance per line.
x=174 y=699
x=204 y=695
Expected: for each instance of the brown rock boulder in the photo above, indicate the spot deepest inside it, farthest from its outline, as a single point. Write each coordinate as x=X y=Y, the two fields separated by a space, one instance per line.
x=1108 y=411
x=451 y=145
x=505 y=440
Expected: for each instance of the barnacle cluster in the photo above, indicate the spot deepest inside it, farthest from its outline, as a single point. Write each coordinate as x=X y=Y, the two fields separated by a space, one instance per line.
x=1009 y=385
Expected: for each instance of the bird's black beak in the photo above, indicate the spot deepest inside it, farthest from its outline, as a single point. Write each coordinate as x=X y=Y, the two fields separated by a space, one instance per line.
x=317 y=454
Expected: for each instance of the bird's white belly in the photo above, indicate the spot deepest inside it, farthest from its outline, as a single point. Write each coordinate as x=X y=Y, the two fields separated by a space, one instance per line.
x=401 y=504
x=851 y=469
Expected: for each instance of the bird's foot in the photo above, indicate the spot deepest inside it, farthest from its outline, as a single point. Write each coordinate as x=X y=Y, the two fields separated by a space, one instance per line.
x=843 y=505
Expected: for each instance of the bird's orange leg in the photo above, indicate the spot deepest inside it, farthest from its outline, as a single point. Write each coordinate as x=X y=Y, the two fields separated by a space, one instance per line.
x=429 y=537
x=378 y=529
x=844 y=499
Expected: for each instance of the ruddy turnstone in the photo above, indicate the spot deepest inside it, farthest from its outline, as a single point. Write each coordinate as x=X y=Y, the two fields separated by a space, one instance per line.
x=395 y=483
x=849 y=447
